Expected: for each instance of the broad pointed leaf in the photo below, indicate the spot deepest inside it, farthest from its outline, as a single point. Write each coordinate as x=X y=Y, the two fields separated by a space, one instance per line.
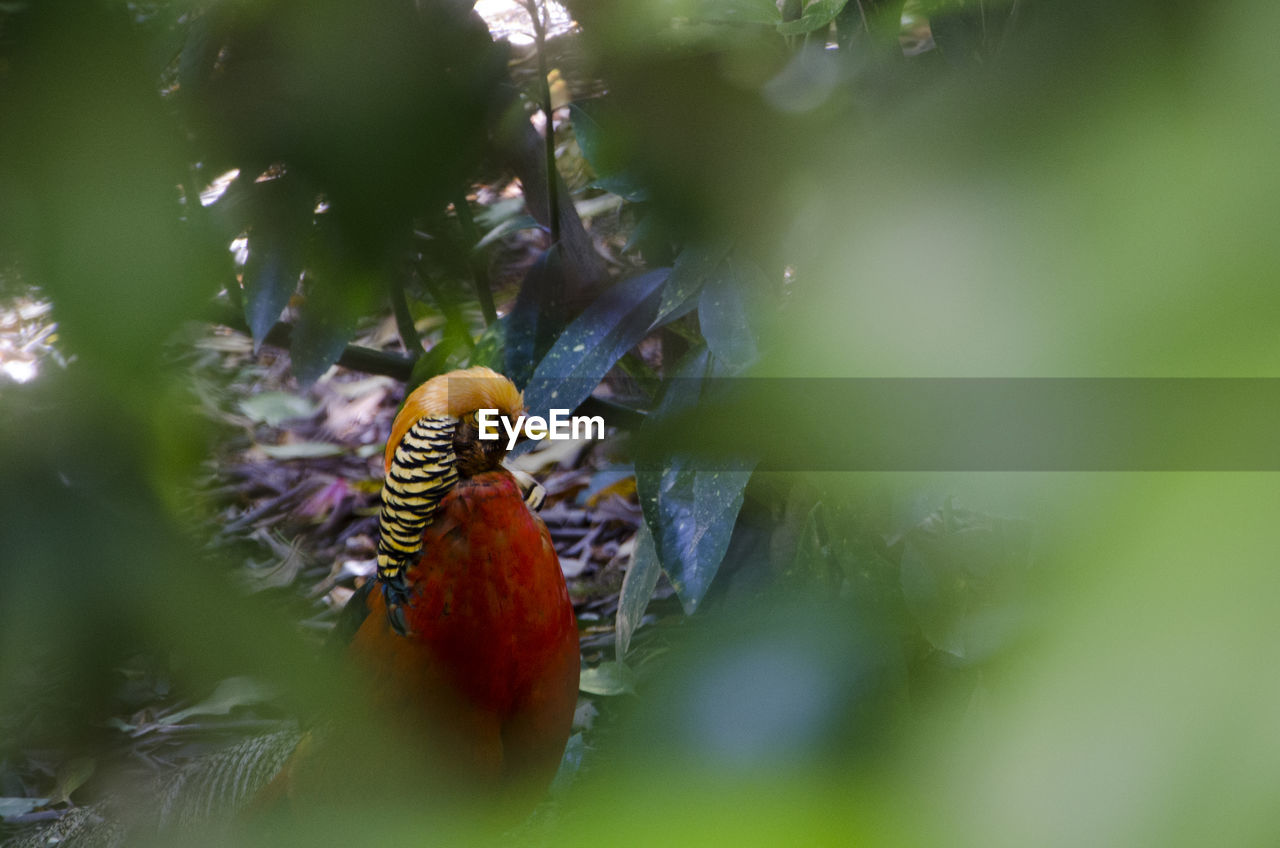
x=282 y=213
x=594 y=342
x=537 y=318
x=637 y=588
x=591 y=129
x=335 y=299
x=817 y=15
x=690 y=505
x=693 y=266
x=724 y=318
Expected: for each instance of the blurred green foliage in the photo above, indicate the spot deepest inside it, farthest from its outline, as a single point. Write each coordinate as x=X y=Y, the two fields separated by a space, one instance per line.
x=1081 y=189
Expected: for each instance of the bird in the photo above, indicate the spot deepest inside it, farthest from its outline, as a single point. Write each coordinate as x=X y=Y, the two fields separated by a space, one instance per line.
x=468 y=647
x=476 y=636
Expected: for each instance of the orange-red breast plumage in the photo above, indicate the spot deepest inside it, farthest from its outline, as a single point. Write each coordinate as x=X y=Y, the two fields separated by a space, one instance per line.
x=490 y=665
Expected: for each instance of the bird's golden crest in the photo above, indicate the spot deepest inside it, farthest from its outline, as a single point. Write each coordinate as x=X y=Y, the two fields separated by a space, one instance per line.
x=455 y=394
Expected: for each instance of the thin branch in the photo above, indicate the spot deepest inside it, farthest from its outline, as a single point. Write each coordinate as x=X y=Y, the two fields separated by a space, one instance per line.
x=355 y=357
x=404 y=319
x=370 y=361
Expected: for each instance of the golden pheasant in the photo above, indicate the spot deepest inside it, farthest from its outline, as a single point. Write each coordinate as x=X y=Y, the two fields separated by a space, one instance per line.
x=470 y=649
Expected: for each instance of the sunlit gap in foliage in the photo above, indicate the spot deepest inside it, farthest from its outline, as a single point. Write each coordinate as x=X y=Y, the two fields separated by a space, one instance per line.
x=218 y=187
x=507 y=19
x=27 y=337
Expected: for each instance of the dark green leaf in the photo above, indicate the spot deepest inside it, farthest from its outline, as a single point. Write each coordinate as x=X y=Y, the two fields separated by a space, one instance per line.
x=691 y=512
x=597 y=339
x=637 y=588
x=624 y=184
x=334 y=303
x=739 y=11
x=693 y=266
x=282 y=215
x=590 y=128
x=200 y=52
x=817 y=14
x=722 y=315
x=537 y=318
x=690 y=504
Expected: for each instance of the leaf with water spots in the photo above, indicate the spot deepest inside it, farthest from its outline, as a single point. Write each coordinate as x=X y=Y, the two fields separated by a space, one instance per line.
x=690 y=503
x=594 y=342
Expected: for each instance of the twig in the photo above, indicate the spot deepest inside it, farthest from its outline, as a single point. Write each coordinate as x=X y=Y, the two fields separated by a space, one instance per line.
x=404 y=320
x=355 y=357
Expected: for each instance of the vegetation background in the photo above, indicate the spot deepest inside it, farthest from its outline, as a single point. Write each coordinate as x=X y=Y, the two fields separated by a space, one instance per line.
x=812 y=190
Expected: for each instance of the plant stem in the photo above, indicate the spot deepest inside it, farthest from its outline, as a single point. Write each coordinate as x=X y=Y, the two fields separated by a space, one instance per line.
x=404 y=319
x=553 y=183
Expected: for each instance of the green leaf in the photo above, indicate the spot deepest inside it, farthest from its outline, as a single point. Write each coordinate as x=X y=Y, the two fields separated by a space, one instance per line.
x=724 y=318
x=739 y=11
x=608 y=678
x=335 y=301
x=690 y=504
x=691 y=512
x=598 y=338
x=274 y=408
x=624 y=184
x=637 y=588
x=509 y=225
x=303 y=450
x=229 y=694
x=570 y=763
x=281 y=223
x=590 y=120
x=817 y=15
x=693 y=266
x=537 y=318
